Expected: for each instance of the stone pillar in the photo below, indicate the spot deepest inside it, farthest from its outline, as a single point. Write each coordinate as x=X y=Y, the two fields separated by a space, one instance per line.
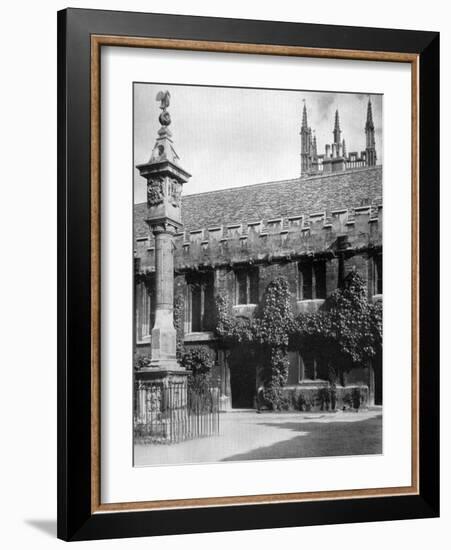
x=165 y=178
x=163 y=345
x=225 y=400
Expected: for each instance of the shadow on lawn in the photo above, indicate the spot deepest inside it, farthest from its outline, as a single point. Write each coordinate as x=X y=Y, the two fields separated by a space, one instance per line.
x=359 y=437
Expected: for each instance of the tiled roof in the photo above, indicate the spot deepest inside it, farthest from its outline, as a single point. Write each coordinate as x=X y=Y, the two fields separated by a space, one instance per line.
x=266 y=201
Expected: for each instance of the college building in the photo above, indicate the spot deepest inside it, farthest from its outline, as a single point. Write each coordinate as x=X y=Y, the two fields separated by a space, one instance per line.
x=312 y=230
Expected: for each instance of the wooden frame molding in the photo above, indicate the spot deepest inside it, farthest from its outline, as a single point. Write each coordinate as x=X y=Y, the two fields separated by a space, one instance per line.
x=97 y=42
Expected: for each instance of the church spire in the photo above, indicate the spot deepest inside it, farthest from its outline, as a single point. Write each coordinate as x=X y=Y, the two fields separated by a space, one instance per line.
x=337 y=131
x=306 y=143
x=315 y=147
x=369 y=117
x=370 y=150
x=304 y=117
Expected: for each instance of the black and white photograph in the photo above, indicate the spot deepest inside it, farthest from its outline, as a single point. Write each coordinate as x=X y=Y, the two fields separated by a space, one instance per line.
x=258 y=274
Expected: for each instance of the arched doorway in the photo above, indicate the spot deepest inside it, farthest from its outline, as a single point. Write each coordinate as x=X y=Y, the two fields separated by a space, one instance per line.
x=243 y=368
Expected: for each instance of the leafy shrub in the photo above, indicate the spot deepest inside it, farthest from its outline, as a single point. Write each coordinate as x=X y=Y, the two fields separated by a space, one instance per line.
x=141 y=362
x=306 y=401
x=324 y=398
x=353 y=398
x=198 y=361
x=356 y=397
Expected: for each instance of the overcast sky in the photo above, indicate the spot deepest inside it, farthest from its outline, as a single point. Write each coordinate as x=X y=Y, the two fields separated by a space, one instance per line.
x=229 y=137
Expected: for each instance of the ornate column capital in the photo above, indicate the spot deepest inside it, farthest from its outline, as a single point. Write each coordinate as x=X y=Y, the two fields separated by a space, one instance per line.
x=163 y=226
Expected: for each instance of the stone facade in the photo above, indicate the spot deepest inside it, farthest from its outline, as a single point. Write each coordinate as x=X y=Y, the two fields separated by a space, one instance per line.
x=313 y=251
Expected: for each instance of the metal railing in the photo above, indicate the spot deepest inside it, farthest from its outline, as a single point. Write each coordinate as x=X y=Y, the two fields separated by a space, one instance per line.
x=173 y=411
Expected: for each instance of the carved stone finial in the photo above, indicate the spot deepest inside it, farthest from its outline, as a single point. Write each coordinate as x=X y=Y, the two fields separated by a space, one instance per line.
x=164 y=99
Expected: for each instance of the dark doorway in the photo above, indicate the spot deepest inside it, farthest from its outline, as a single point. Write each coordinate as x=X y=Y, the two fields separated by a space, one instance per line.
x=243 y=368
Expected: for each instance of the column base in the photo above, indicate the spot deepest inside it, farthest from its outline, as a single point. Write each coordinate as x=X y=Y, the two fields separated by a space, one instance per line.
x=164 y=372
x=164 y=342
x=164 y=365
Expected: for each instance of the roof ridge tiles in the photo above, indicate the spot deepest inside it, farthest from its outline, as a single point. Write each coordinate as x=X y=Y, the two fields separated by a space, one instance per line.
x=289 y=180
x=285 y=199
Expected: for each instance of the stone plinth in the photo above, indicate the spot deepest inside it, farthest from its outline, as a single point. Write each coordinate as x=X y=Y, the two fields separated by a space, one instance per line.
x=161 y=404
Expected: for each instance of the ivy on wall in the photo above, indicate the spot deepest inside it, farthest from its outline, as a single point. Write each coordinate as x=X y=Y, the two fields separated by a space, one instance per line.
x=231 y=329
x=347 y=329
x=179 y=324
x=268 y=331
x=273 y=323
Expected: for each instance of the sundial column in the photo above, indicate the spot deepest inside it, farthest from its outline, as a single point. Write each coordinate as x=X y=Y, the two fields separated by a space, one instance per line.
x=163 y=384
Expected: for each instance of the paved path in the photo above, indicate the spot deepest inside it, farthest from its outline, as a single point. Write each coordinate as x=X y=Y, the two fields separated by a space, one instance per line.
x=251 y=436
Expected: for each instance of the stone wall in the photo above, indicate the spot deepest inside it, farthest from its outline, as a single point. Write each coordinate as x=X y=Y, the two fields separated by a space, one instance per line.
x=267 y=242
x=346 y=239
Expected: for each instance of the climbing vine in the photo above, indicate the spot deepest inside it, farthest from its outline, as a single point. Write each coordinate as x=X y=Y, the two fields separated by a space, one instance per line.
x=179 y=324
x=231 y=329
x=347 y=330
x=268 y=331
x=348 y=327
x=273 y=324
